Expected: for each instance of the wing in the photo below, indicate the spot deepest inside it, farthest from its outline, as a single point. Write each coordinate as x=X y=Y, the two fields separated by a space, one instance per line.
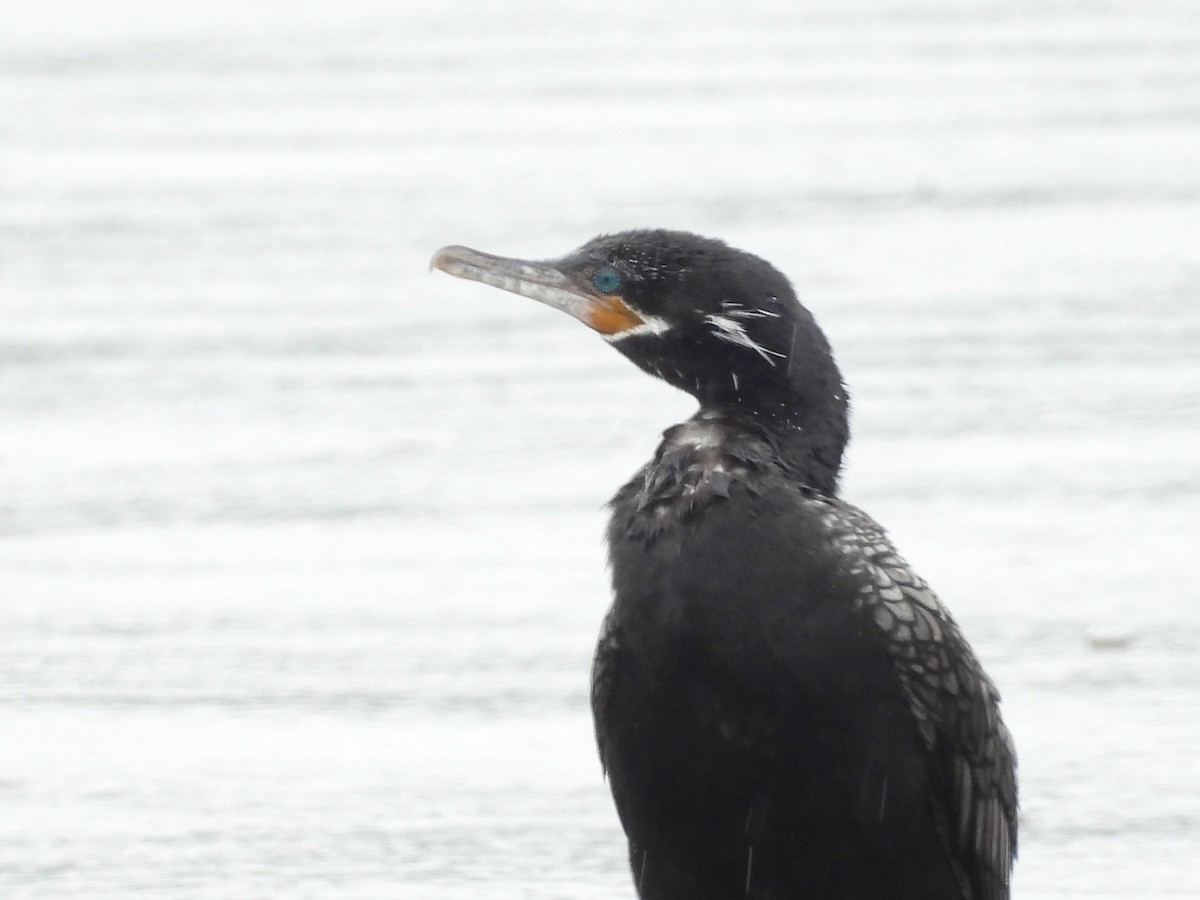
x=601 y=680
x=955 y=704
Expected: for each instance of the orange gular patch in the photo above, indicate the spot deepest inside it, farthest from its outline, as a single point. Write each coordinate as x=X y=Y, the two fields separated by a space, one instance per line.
x=608 y=314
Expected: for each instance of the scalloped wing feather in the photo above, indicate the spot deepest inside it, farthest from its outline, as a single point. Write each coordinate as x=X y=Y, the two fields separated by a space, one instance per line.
x=955 y=704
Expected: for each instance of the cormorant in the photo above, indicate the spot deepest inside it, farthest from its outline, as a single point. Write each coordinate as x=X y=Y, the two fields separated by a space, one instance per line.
x=783 y=708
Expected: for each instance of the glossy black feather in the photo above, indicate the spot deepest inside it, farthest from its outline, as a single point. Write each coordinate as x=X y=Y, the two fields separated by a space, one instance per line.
x=783 y=708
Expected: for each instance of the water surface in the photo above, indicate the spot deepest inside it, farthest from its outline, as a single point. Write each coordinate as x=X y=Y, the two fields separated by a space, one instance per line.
x=301 y=547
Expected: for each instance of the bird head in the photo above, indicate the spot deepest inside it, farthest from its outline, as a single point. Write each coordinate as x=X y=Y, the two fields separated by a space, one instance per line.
x=714 y=321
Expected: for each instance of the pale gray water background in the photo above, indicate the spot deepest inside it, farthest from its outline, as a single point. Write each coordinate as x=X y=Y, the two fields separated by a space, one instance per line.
x=300 y=547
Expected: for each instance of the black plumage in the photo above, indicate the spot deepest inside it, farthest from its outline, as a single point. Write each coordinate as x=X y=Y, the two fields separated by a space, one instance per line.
x=783 y=707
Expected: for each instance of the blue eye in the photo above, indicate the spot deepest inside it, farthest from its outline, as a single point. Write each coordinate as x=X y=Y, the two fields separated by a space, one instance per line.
x=606 y=279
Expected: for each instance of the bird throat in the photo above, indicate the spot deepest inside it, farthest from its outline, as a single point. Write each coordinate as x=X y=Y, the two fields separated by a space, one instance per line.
x=692 y=469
